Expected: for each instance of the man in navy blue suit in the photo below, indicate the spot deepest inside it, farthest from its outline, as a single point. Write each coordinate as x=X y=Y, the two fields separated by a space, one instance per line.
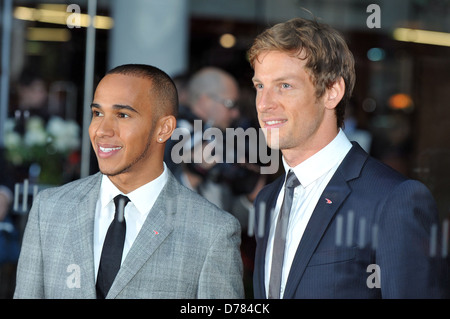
x=353 y=227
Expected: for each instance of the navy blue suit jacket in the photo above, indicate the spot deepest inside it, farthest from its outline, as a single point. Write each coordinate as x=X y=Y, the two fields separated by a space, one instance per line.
x=369 y=221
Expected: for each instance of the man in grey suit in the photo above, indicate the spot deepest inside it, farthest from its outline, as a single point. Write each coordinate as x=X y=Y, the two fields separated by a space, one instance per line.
x=177 y=244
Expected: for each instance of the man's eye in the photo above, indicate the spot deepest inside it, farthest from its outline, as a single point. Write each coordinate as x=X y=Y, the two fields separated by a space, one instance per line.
x=123 y=115
x=96 y=113
x=285 y=86
x=258 y=86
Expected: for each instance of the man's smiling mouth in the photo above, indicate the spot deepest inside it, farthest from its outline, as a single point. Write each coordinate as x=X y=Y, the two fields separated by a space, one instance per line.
x=109 y=149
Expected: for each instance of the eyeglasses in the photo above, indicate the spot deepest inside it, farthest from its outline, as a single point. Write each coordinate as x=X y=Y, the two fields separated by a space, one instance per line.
x=228 y=103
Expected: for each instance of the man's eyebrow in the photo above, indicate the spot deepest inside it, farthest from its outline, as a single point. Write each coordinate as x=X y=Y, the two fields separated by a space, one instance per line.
x=116 y=107
x=284 y=78
x=279 y=79
x=126 y=107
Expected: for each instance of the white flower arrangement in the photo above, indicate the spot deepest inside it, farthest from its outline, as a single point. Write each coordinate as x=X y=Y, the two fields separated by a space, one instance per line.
x=39 y=141
x=65 y=135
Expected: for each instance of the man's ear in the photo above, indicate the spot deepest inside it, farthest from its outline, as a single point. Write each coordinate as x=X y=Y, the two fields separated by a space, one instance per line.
x=334 y=94
x=167 y=125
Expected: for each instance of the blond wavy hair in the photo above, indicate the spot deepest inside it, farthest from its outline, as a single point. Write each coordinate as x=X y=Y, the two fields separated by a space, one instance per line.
x=324 y=48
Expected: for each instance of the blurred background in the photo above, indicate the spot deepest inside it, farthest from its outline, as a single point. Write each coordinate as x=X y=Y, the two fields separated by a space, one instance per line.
x=52 y=57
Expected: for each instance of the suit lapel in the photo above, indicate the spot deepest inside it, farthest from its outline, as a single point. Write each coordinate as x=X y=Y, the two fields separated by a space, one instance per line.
x=329 y=203
x=336 y=192
x=83 y=234
x=157 y=227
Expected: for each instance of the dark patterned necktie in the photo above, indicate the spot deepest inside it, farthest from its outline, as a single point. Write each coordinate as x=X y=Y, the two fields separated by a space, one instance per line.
x=279 y=241
x=112 y=248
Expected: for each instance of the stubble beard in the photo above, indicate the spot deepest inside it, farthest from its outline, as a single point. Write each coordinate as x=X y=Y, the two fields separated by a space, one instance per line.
x=128 y=168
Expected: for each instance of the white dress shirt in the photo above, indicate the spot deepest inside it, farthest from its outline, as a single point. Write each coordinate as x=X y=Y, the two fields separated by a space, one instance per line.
x=136 y=211
x=314 y=175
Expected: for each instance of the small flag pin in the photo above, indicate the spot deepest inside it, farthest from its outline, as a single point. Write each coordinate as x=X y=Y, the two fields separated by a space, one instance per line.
x=328 y=201
x=156 y=233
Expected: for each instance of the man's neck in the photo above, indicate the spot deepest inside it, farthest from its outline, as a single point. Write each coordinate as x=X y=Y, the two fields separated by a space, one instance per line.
x=127 y=182
x=297 y=155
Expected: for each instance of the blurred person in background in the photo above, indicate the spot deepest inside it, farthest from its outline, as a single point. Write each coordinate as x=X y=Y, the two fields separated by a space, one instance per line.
x=211 y=103
x=9 y=234
x=9 y=237
x=30 y=98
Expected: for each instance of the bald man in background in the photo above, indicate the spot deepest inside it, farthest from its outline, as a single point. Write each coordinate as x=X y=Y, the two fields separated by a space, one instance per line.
x=212 y=103
x=213 y=93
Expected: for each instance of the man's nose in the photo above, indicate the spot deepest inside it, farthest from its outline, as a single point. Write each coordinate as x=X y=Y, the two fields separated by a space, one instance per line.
x=105 y=127
x=264 y=100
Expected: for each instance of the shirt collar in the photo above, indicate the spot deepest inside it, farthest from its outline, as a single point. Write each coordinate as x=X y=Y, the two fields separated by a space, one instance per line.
x=317 y=165
x=142 y=198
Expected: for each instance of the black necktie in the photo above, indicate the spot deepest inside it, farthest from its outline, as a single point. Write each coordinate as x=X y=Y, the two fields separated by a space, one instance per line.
x=280 y=236
x=112 y=249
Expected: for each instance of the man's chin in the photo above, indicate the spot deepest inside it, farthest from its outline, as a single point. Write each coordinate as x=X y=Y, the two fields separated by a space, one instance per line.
x=111 y=171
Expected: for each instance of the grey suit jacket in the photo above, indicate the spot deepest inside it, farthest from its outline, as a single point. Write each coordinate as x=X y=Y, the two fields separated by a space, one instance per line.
x=187 y=247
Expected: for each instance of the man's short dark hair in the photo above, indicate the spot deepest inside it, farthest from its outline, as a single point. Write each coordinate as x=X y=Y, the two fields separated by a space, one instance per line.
x=163 y=88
